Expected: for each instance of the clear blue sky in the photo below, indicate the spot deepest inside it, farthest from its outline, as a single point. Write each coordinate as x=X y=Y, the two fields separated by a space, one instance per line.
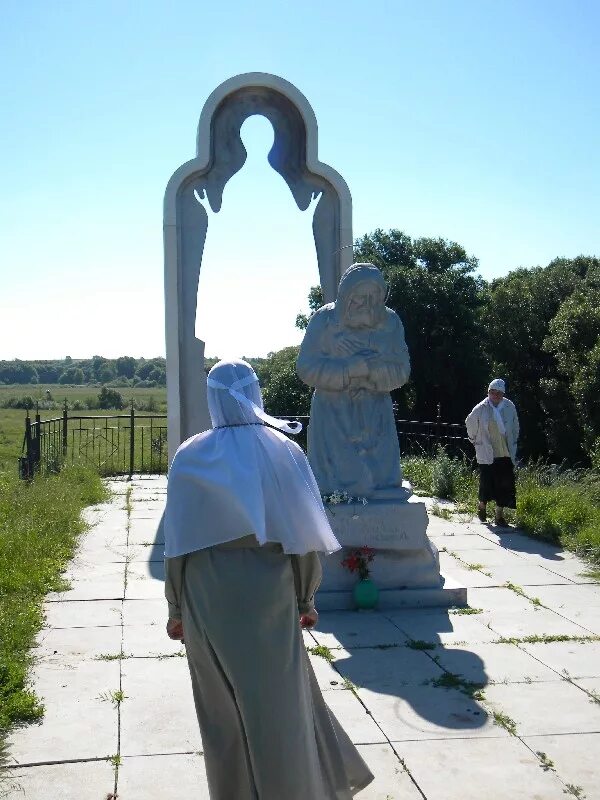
x=476 y=121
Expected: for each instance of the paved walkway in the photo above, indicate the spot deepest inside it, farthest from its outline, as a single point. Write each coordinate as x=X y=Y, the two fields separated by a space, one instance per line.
x=119 y=715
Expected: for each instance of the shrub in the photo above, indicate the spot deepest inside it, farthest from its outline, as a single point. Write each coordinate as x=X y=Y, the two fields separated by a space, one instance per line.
x=25 y=402
x=442 y=476
x=110 y=398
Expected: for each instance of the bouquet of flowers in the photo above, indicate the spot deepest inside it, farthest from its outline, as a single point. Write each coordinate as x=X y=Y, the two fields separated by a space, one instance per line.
x=359 y=560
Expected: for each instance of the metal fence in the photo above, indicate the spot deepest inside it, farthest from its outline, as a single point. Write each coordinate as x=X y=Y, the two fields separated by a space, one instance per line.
x=124 y=444
x=117 y=444
x=418 y=438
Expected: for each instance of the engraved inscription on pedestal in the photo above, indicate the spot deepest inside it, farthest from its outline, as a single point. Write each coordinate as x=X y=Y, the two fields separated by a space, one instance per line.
x=381 y=525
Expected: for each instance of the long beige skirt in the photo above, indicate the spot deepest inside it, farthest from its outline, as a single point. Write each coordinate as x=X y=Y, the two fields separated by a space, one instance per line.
x=267 y=733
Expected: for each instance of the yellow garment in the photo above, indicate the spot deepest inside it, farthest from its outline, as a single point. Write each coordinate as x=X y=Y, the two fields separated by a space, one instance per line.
x=498 y=440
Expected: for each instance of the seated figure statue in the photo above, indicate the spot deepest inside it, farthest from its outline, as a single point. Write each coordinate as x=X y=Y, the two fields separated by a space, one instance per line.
x=354 y=353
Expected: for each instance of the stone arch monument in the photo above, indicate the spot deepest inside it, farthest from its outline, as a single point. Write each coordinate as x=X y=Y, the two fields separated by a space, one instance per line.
x=220 y=153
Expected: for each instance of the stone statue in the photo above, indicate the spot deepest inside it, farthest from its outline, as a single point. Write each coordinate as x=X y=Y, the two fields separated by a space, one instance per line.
x=354 y=354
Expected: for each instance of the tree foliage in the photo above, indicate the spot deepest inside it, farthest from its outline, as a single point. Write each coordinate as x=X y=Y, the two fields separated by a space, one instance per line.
x=283 y=391
x=433 y=288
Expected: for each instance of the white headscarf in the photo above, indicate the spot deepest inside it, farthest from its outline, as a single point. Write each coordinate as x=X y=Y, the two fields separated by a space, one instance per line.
x=242 y=477
x=499 y=385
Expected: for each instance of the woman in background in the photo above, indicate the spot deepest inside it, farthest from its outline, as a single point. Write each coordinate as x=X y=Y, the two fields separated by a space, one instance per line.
x=493 y=427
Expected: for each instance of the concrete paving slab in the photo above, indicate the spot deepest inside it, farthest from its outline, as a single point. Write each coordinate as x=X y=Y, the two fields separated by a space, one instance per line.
x=149 y=641
x=392 y=782
x=570 y=597
x=356 y=629
x=499 y=599
x=327 y=677
x=579 y=659
x=462 y=541
x=533 y=621
x=158 y=715
x=471 y=769
x=160 y=777
x=441 y=627
x=145 y=553
x=145 y=531
x=525 y=574
x=494 y=556
x=522 y=543
x=90 y=555
x=385 y=670
x=147 y=512
x=492 y=663
x=78 y=723
x=145 y=580
x=353 y=717
x=565 y=564
x=103 y=582
x=591 y=685
x=82 y=613
x=71 y=645
x=545 y=708
x=428 y=712
x=117 y=485
x=145 y=612
x=90 y=780
x=575 y=759
x=469 y=578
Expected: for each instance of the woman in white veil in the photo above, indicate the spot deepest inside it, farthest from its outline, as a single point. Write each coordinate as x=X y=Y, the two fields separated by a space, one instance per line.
x=244 y=524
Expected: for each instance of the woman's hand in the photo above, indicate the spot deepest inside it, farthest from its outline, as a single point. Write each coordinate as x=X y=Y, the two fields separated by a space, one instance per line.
x=175 y=629
x=309 y=620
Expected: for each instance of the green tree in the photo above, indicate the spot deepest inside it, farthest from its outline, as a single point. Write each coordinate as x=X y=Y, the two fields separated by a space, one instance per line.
x=72 y=375
x=574 y=340
x=126 y=366
x=110 y=398
x=283 y=391
x=315 y=301
x=433 y=288
x=517 y=321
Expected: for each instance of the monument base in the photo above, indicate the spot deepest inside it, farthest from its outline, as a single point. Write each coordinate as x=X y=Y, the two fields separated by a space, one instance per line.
x=406 y=567
x=451 y=594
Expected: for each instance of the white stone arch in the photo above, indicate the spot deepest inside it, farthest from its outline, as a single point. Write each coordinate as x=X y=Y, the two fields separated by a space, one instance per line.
x=220 y=153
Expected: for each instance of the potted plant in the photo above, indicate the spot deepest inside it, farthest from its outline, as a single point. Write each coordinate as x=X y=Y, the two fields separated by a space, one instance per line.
x=365 y=593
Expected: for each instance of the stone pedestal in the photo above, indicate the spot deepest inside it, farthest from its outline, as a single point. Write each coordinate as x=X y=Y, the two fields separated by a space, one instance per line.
x=406 y=567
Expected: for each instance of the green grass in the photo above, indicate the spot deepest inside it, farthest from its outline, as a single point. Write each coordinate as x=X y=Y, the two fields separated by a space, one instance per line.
x=321 y=650
x=40 y=523
x=561 y=507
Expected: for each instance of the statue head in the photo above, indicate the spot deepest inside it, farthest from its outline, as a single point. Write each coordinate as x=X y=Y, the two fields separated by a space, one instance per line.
x=361 y=297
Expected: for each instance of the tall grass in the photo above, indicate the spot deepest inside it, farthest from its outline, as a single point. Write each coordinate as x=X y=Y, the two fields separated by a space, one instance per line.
x=40 y=523
x=554 y=503
x=441 y=476
x=561 y=506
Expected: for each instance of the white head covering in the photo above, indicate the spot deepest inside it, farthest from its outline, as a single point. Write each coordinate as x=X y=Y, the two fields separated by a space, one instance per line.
x=498 y=384
x=242 y=477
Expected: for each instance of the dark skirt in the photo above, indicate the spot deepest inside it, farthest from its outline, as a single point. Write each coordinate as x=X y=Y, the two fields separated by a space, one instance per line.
x=497 y=482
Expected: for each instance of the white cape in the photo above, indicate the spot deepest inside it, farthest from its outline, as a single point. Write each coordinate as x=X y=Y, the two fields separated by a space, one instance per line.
x=235 y=481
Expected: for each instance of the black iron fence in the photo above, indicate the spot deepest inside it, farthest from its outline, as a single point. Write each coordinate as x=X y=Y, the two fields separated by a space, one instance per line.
x=124 y=444
x=418 y=438
x=116 y=444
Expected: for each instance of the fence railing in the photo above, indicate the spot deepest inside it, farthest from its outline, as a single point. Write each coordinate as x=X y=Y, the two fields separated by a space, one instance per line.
x=116 y=444
x=417 y=438
x=124 y=444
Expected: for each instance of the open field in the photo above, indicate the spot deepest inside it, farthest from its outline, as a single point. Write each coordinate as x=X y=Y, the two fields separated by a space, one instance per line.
x=12 y=420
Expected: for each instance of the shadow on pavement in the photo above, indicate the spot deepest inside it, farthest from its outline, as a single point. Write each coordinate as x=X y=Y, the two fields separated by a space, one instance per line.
x=410 y=674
